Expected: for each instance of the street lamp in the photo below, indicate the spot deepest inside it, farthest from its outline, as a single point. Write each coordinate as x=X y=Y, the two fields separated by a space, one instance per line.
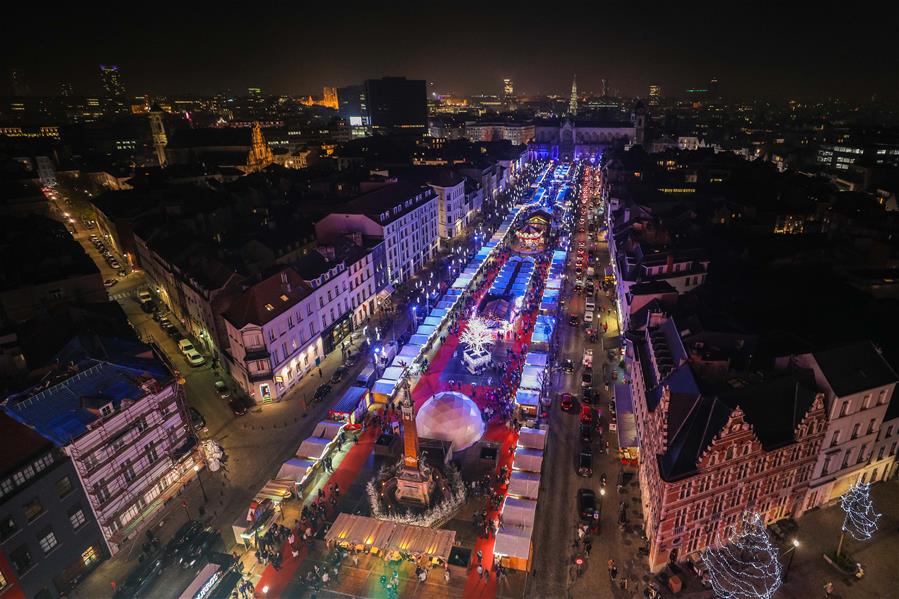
x=792 y=552
x=200 y=480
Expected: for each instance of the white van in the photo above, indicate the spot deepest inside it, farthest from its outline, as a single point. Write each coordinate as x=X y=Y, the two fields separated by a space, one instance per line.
x=590 y=306
x=588 y=316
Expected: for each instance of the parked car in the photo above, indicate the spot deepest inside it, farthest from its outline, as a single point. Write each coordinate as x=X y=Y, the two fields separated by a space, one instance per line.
x=194 y=358
x=567 y=365
x=585 y=464
x=222 y=389
x=237 y=406
x=196 y=419
x=144 y=296
x=587 y=378
x=321 y=392
x=588 y=316
x=566 y=402
x=110 y=282
x=140 y=580
x=586 y=415
x=198 y=547
x=148 y=307
x=338 y=374
x=185 y=346
x=586 y=503
x=573 y=320
x=586 y=433
x=175 y=548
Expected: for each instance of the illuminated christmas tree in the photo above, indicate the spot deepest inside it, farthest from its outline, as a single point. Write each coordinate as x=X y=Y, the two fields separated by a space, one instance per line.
x=477 y=335
x=744 y=565
x=860 y=520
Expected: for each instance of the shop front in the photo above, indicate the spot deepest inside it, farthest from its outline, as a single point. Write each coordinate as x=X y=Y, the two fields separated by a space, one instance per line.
x=336 y=333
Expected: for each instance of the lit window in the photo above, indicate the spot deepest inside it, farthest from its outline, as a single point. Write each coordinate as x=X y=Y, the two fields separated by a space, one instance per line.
x=48 y=541
x=269 y=307
x=89 y=556
x=76 y=517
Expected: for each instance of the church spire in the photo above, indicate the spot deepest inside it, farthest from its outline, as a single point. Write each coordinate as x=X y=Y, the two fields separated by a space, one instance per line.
x=572 y=103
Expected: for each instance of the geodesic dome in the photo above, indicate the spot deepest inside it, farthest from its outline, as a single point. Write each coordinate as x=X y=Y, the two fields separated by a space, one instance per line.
x=450 y=416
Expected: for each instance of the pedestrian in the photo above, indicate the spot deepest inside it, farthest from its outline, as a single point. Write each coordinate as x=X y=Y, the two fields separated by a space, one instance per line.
x=480 y=556
x=446 y=573
x=480 y=570
x=828 y=589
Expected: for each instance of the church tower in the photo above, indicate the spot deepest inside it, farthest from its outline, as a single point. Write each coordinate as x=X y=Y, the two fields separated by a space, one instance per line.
x=157 y=131
x=572 y=103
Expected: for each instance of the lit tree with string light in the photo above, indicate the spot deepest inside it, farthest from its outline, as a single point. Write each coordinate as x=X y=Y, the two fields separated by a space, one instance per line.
x=744 y=564
x=477 y=334
x=860 y=519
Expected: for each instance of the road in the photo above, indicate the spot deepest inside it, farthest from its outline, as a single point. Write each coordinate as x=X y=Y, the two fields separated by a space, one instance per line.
x=557 y=519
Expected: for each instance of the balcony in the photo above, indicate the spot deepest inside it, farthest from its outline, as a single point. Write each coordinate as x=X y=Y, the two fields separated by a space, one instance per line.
x=257 y=353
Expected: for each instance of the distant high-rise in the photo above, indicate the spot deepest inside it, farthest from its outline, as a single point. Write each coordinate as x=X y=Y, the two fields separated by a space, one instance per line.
x=605 y=87
x=508 y=88
x=65 y=89
x=714 y=92
x=655 y=95
x=397 y=105
x=17 y=82
x=111 y=80
x=572 y=102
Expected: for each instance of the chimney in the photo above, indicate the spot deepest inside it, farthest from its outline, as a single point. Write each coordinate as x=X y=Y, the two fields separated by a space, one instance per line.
x=285 y=282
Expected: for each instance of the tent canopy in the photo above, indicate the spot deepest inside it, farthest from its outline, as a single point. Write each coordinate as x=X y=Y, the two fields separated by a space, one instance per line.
x=390 y=536
x=533 y=438
x=536 y=358
x=410 y=351
x=327 y=429
x=433 y=321
x=526 y=397
x=313 y=448
x=530 y=460
x=418 y=339
x=295 y=469
x=524 y=484
x=393 y=373
x=513 y=542
x=348 y=402
x=384 y=387
x=518 y=511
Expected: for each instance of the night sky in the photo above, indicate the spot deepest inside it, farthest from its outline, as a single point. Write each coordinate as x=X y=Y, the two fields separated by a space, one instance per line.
x=756 y=49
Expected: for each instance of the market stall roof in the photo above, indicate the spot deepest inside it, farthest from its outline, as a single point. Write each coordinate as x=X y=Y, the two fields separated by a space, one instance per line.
x=390 y=536
x=295 y=469
x=328 y=429
x=425 y=329
x=384 y=387
x=531 y=377
x=348 y=402
x=419 y=339
x=530 y=460
x=433 y=321
x=410 y=351
x=533 y=438
x=276 y=490
x=313 y=448
x=518 y=511
x=393 y=373
x=527 y=397
x=524 y=484
x=536 y=358
x=438 y=313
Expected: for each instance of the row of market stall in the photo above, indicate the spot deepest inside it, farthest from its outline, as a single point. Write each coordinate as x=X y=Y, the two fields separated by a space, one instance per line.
x=552 y=290
x=513 y=545
x=291 y=480
x=391 y=540
x=411 y=357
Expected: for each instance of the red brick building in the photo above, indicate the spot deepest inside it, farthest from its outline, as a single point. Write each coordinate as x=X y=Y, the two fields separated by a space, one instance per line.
x=716 y=441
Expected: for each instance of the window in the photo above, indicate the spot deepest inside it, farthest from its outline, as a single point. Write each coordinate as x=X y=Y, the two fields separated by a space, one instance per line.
x=152 y=456
x=48 y=541
x=89 y=556
x=855 y=430
x=64 y=486
x=871 y=425
x=76 y=516
x=141 y=424
x=7 y=528
x=21 y=559
x=844 y=409
x=835 y=439
x=33 y=509
x=866 y=402
x=43 y=462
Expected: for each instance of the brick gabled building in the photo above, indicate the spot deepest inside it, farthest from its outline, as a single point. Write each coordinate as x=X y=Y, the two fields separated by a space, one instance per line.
x=716 y=446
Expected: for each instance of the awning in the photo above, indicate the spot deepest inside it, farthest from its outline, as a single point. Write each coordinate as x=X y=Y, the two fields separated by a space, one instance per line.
x=426 y=330
x=529 y=460
x=295 y=469
x=348 y=402
x=536 y=358
x=518 y=512
x=433 y=321
x=327 y=429
x=276 y=490
x=533 y=438
x=419 y=339
x=410 y=351
x=524 y=484
x=525 y=397
x=384 y=387
x=393 y=372
x=313 y=448
x=532 y=378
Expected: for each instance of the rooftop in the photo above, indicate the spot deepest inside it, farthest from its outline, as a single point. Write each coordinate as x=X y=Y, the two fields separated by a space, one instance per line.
x=853 y=368
x=267 y=299
x=21 y=444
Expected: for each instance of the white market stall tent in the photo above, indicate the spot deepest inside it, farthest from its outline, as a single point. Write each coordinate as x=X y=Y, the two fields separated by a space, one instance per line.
x=529 y=460
x=512 y=547
x=519 y=512
x=532 y=438
x=524 y=484
x=536 y=358
x=295 y=469
x=313 y=448
x=327 y=429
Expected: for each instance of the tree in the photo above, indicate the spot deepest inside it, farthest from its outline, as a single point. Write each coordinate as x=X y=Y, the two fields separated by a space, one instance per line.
x=860 y=519
x=477 y=334
x=744 y=564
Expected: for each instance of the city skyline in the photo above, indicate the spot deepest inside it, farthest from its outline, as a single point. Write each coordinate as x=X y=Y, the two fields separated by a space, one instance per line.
x=787 y=52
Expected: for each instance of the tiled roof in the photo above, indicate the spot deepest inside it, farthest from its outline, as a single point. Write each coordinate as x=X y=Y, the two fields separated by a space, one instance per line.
x=267 y=299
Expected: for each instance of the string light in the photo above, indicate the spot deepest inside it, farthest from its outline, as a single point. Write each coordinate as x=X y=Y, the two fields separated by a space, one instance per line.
x=745 y=565
x=477 y=334
x=861 y=519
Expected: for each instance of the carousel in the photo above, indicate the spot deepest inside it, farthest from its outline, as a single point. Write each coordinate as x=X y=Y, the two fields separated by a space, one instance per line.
x=531 y=237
